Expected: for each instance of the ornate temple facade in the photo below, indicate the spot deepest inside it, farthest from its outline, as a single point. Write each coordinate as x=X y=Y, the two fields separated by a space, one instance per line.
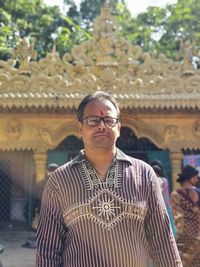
x=159 y=98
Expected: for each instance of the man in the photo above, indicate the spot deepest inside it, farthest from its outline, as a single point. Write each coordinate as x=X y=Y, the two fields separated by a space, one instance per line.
x=103 y=208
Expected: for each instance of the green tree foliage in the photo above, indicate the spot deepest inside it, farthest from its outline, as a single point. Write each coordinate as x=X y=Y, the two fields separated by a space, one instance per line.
x=7 y=36
x=32 y=18
x=157 y=29
x=162 y=29
x=182 y=23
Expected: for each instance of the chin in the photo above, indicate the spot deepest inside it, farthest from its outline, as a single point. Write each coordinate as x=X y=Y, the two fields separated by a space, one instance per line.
x=102 y=146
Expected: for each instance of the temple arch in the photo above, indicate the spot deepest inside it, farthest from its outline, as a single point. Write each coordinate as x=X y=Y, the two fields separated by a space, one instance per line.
x=65 y=151
x=145 y=149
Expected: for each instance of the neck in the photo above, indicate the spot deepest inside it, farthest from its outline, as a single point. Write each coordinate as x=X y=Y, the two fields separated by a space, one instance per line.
x=187 y=184
x=101 y=161
x=100 y=156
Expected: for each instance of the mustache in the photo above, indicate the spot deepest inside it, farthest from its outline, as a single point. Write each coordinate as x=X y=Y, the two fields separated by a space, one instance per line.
x=100 y=132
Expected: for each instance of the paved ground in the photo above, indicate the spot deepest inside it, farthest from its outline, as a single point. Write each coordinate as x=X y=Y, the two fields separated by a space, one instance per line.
x=14 y=254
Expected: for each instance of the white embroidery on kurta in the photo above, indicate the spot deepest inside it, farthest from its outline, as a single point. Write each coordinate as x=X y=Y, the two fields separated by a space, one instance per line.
x=107 y=209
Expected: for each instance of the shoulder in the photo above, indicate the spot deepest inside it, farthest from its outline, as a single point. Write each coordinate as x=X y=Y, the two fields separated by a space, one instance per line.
x=175 y=196
x=69 y=166
x=61 y=174
x=165 y=183
x=140 y=166
x=139 y=170
x=194 y=195
x=136 y=163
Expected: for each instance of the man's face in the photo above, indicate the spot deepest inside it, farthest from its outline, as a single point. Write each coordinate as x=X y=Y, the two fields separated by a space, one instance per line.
x=99 y=136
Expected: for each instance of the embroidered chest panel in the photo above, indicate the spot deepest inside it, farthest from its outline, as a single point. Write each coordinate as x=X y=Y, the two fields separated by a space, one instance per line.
x=107 y=209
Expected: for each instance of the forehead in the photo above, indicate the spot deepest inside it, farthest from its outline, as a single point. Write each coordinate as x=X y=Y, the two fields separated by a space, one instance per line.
x=100 y=108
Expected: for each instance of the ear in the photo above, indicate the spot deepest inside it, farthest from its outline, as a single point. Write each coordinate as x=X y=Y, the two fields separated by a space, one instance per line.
x=80 y=126
x=119 y=128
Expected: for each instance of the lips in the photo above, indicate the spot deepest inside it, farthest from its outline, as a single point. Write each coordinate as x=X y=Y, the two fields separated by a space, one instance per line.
x=101 y=135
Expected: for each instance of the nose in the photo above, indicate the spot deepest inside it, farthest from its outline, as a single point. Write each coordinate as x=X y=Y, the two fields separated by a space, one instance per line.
x=101 y=125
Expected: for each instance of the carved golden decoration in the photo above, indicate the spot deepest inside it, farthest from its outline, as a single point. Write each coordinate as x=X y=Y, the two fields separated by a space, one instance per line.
x=25 y=52
x=187 y=52
x=106 y=62
x=196 y=128
x=176 y=160
x=165 y=131
x=40 y=159
x=14 y=128
x=35 y=132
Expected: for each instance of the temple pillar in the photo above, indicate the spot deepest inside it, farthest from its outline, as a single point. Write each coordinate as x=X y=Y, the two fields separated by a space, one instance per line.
x=40 y=160
x=176 y=160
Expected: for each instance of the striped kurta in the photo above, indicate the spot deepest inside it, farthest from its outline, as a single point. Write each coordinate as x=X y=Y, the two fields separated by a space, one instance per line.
x=121 y=222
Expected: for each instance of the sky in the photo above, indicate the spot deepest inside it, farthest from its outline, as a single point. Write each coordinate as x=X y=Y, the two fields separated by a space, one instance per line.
x=135 y=6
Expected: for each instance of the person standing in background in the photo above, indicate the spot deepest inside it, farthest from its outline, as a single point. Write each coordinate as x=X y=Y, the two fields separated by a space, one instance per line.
x=103 y=208
x=31 y=242
x=39 y=191
x=164 y=184
x=40 y=185
x=186 y=210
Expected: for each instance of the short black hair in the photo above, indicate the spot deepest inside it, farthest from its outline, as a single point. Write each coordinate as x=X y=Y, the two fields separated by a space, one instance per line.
x=157 y=162
x=52 y=167
x=187 y=173
x=99 y=95
x=157 y=170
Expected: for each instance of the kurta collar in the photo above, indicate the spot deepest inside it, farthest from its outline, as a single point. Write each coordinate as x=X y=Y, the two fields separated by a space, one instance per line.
x=120 y=156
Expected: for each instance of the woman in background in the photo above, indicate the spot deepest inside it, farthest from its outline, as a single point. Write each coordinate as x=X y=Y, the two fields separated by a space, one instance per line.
x=158 y=168
x=185 y=206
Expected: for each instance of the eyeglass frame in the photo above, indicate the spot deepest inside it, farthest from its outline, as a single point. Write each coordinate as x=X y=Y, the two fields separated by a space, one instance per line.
x=101 y=119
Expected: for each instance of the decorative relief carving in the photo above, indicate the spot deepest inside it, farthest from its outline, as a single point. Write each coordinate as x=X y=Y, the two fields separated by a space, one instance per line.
x=69 y=128
x=35 y=133
x=172 y=85
x=25 y=52
x=14 y=129
x=170 y=133
x=196 y=128
x=186 y=52
x=192 y=85
x=31 y=135
x=106 y=62
x=165 y=133
x=7 y=67
x=149 y=70
x=45 y=135
x=176 y=159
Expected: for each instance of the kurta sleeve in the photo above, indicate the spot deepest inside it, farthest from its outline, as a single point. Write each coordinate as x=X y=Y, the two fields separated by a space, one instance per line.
x=51 y=230
x=159 y=234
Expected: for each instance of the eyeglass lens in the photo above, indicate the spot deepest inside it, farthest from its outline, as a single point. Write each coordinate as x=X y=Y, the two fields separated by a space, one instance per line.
x=95 y=120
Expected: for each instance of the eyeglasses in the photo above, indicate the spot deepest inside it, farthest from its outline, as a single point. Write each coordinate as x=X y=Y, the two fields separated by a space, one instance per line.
x=95 y=120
